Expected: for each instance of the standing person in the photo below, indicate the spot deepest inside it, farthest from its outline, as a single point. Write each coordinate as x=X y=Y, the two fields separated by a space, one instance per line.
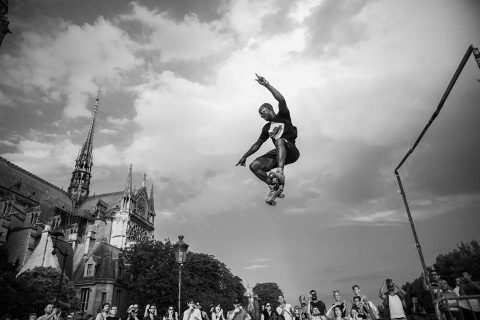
x=268 y=313
x=150 y=313
x=372 y=308
x=50 y=312
x=132 y=312
x=171 y=314
x=458 y=285
x=218 y=313
x=393 y=299
x=470 y=308
x=354 y=314
x=238 y=313
x=284 y=309
x=198 y=305
x=303 y=306
x=104 y=313
x=269 y=167
x=113 y=314
x=362 y=308
x=192 y=313
x=297 y=313
x=314 y=302
x=337 y=313
x=339 y=302
x=315 y=314
x=434 y=282
x=449 y=308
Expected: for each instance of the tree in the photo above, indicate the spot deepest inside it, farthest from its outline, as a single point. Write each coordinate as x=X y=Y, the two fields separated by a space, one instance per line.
x=267 y=292
x=12 y=293
x=41 y=285
x=204 y=278
x=465 y=258
x=449 y=266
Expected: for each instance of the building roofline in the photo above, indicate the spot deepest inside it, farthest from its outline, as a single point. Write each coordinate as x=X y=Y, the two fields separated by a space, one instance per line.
x=11 y=164
x=104 y=194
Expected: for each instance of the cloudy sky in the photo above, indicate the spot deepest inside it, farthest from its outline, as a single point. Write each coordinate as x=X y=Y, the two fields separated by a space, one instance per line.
x=179 y=102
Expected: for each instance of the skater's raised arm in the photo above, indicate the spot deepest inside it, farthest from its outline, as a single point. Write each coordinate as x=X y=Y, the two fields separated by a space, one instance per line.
x=254 y=148
x=264 y=82
x=282 y=105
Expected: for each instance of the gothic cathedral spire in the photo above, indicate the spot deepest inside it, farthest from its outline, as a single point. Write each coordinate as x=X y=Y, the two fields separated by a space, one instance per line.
x=128 y=186
x=152 y=204
x=80 y=183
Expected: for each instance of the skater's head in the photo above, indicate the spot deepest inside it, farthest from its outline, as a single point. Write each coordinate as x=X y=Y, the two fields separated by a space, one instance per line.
x=266 y=111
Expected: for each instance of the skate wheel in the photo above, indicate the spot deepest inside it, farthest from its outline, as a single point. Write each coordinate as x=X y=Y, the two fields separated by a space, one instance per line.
x=281 y=196
x=273 y=203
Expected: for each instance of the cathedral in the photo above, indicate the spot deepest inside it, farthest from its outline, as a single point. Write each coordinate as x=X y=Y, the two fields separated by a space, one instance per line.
x=43 y=225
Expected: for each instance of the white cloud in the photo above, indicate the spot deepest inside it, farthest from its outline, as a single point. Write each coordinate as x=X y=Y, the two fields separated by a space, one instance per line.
x=7 y=143
x=5 y=101
x=109 y=132
x=174 y=39
x=422 y=209
x=72 y=62
x=256 y=266
x=48 y=160
x=118 y=122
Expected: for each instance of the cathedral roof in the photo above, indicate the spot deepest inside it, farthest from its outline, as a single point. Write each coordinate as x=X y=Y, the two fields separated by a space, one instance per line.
x=29 y=185
x=105 y=256
x=111 y=199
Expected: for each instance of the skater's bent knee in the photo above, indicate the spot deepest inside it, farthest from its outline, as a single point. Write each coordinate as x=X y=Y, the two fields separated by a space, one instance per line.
x=255 y=165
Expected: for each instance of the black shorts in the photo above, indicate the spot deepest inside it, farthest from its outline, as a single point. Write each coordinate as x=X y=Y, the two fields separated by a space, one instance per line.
x=269 y=159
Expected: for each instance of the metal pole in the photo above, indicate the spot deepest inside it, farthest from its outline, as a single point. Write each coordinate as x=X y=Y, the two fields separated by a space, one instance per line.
x=476 y=54
x=179 y=288
x=61 y=277
x=417 y=243
x=440 y=104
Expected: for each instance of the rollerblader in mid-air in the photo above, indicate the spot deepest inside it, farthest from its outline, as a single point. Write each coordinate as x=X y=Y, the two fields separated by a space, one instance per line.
x=269 y=167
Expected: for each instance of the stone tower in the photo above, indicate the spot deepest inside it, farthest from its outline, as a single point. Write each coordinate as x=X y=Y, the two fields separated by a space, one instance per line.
x=120 y=222
x=80 y=183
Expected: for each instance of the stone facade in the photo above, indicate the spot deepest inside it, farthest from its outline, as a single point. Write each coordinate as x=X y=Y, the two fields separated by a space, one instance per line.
x=37 y=216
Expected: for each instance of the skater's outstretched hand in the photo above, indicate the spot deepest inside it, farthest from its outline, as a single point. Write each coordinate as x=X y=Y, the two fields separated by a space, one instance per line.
x=261 y=80
x=241 y=162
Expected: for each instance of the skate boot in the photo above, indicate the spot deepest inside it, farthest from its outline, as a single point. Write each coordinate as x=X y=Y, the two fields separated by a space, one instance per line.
x=275 y=192
x=276 y=176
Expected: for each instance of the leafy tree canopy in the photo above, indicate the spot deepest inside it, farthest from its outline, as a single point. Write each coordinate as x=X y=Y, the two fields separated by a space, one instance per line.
x=11 y=294
x=466 y=257
x=204 y=278
x=41 y=284
x=267 y=292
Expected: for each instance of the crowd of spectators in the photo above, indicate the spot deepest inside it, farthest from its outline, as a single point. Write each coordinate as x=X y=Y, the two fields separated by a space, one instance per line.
x=448 y=301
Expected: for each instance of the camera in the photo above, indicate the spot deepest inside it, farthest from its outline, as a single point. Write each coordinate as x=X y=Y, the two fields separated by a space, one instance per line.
x=388 y=281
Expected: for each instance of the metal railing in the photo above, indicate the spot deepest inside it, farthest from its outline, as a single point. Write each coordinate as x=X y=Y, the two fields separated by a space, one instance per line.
x=459 y=308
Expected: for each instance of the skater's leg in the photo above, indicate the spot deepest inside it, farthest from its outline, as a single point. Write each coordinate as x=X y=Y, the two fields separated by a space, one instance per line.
x=281 y=152
x=261 y=166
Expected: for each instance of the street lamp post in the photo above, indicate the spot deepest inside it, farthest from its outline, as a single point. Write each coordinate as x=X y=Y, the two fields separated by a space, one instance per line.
x=180 y=248
x=64 y=255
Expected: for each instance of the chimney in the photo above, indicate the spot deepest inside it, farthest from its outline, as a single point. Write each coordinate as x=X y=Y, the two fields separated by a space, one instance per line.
x=90 y=240
x=73 y=236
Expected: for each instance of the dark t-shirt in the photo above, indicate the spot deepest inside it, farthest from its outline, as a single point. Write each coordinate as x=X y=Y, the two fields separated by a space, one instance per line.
x=469 y=289
x=280 y=126
x=320 y=305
